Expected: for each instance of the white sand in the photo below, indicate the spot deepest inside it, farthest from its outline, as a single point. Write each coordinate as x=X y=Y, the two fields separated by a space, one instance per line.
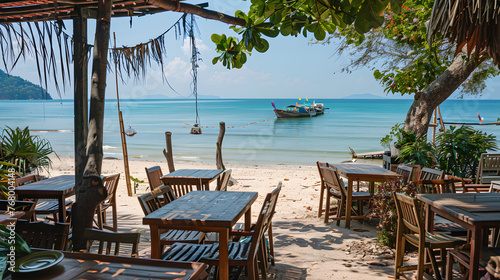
x=305 y=247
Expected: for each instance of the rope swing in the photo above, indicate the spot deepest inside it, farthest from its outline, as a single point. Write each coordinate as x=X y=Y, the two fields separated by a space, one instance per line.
x=195 y=57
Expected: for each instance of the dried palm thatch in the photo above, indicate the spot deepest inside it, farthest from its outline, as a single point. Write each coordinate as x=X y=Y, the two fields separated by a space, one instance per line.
x=45 y=41
x=473 y=24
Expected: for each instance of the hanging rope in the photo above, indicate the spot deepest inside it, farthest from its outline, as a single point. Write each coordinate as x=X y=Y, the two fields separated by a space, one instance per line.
x=194 y=66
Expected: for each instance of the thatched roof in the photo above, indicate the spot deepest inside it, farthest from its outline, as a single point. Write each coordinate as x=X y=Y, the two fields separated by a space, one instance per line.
x=469 y=23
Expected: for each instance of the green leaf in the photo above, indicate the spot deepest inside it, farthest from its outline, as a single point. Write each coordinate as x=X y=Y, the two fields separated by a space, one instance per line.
x=263 y=46
x=369 y=15
x=396 y=6
x=319 y=34
x=216 y=38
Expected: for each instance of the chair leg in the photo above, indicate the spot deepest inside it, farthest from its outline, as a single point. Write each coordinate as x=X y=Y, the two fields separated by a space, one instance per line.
x=271 y=242
x=434 y=264
x=340 y=210
x=115 y=218
x=420 y=265
x=449 y=266
x=320 y=208
x=400 y=250
x=327 y=207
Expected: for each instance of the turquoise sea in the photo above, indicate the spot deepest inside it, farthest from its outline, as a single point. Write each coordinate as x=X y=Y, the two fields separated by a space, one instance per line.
x=253 y=136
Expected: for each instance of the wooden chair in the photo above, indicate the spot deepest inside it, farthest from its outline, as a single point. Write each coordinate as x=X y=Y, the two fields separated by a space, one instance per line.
x=28 y=207
x=153 y=201
x=181 y=186
x=43 y=206
x=110 y=182
x=406 y=171
x=109 y=240
x=431 y=174
x=437 y=186
x=224 y=181
x=463 y=259
x=489 y=168
x=411 y=229
x=322 y=187
x=154 y=174
x=337 y=190
x=44 y=235
x=241 y=253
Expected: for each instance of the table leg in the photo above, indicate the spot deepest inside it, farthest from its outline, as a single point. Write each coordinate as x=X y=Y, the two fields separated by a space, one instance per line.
x=475 y=250
x=429 y=218
x=155 y=242
x=248 y=219
x=62 y=209
x=224 y=254
x=348 y=205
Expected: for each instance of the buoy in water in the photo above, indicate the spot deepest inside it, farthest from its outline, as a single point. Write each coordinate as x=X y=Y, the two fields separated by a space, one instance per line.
x=130 y=131
x=196 y=129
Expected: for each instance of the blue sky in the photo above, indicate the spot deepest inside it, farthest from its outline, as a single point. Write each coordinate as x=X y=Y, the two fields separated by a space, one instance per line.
x=291 y=68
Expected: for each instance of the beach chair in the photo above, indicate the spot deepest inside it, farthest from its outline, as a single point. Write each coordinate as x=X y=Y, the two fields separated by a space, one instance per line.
x=43 y=206
x=337 y=190
x=489 y=168
x=411 y=229
x=241 y=254
x=154 y=174
x=110 y=240
x=43 y=235
x=156 y=199
x=322 y=187
x=110 y=182
x=224 y=181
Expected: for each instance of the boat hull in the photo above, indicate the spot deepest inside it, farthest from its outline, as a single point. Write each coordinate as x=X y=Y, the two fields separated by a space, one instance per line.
x=282 y=114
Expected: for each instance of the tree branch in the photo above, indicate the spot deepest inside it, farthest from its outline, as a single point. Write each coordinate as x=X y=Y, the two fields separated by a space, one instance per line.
x=197 y=10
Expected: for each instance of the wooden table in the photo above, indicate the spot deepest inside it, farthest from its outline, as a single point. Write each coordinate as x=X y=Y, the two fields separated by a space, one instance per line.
x=362 y=172
x=7 y=217
x=58 y=187
x=93 y=266
x=206 y=175
x=207 y=211
x=475 y=211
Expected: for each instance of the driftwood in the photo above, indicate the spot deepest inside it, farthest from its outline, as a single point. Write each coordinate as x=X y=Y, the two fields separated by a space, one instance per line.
x=91 y=191
x=169 y=156
x=218 y=152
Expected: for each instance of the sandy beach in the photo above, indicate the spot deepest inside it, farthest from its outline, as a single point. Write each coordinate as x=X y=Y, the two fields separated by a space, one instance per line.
x=305 y=247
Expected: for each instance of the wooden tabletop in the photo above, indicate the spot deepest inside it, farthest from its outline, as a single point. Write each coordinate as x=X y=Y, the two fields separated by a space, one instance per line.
x=204 y=174
x=347 y=169
x=472 y=208
x=7 y=217
x=63 y=184
x=203 y=208
x=93 y=266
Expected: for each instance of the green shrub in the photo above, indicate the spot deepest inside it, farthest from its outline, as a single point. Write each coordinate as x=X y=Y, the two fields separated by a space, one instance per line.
x=385 y=209
x=27 y=152
x=459 y=150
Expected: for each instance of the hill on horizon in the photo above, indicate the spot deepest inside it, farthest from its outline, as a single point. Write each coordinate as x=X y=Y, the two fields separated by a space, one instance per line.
x=17 y=88
x=163 y=96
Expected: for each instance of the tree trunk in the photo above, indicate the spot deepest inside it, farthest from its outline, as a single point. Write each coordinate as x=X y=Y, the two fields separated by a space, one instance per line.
x=91 y=192
x=420 y=112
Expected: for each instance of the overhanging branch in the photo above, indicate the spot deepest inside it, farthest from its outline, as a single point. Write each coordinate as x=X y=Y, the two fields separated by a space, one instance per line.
x=197 y=10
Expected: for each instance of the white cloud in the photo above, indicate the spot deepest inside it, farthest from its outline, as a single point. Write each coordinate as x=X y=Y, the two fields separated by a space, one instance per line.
x=186 y=47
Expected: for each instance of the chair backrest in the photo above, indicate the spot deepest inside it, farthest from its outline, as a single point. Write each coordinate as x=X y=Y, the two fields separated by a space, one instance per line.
x=25 y=180
x=110 y=182
x=410 y=213
x=437 y=186
x=224 y=181
x=265 y=216
x=154 y=200
x=489 y=168
x=406 y=171
x=43 y=235
x=333 y=181
x=108 y=240
x=494 y=188
x=154 y=174
x=28 y=207
x=431 y=174
x=181 y=186
x=319 y=165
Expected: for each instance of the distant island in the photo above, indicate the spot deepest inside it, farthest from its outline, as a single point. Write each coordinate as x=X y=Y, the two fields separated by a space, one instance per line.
x=17 y=88
x=163 y=96
x=373 y=96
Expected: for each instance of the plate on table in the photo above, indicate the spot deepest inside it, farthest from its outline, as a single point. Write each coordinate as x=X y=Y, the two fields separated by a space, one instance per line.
x=38 y=261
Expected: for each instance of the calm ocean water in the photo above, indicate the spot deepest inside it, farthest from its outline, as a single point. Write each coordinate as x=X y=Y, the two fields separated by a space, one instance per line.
x=254 y=135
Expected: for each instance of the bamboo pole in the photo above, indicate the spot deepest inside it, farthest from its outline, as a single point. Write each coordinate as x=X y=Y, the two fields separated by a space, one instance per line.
x=443 y=128
x=122 y=132
x=434 y=127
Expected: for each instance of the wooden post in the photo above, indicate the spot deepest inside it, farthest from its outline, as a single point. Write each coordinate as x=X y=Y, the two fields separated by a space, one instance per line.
x=441 y=122
x=434 y=127
x=218 y=153
x=169 y=156
x=122 y=131
x=80 y=69
x=91 y=191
